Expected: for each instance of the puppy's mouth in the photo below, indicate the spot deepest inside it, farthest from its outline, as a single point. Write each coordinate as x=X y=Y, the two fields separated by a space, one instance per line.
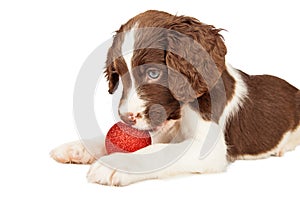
x=157 y=128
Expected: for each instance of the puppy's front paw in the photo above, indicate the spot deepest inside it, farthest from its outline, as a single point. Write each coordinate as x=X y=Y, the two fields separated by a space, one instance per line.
x=101 y=174
x=73 y=152
x=104 y=175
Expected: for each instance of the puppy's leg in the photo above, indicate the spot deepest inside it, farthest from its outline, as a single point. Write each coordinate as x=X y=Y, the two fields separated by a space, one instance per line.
x=157 y=161
x=79 y=152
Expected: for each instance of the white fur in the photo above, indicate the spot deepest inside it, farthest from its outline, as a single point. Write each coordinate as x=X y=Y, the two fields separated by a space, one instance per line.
x=194 y=127
x=128 y=43
x=83 y=152
x=189 y=162
x=240 y=93
x=167 y=133
x=217 y=131
x=293 y=141
x=132 y=103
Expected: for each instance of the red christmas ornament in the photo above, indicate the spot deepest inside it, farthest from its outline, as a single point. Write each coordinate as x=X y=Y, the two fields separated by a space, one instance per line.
x=123 y=138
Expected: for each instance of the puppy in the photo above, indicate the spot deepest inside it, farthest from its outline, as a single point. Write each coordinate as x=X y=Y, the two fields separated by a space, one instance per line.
x=201 y=112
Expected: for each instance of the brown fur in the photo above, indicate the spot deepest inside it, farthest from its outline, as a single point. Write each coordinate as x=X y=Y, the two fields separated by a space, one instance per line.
x=197 y=56
x=159 y=108
x=298 y=106
x=268 y=113
x=211 y=104
x=206 y=57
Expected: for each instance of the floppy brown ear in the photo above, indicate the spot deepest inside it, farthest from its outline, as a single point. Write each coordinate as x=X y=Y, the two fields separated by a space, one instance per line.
x=195 y=58
x=111 y=74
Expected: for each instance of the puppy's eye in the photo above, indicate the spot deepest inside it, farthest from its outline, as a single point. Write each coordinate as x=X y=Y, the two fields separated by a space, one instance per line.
x=153 y=73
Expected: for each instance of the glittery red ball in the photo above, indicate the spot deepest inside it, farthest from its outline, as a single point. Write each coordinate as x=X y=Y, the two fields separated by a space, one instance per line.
x=124 y=138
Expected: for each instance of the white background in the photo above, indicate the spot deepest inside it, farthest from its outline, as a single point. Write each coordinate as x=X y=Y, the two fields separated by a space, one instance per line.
x=42 y=47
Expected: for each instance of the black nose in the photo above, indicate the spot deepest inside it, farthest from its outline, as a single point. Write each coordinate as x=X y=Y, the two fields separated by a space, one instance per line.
x=128 y=118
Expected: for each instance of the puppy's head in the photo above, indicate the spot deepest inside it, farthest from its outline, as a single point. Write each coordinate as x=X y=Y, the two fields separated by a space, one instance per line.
x=163 y=61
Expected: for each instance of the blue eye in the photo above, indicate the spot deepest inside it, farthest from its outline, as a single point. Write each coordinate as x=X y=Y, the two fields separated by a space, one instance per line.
x=153 y=73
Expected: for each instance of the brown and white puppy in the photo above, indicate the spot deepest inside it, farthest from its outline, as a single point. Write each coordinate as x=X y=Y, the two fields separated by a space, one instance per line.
x=177 y=85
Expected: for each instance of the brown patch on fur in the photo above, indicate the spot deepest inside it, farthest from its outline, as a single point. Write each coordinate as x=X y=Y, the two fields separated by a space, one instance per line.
x=267 y=114
x=112 y=77
x=160 y=106
x=298 y=107
x=115 y=65
x=211 y=104
x=197 y=51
